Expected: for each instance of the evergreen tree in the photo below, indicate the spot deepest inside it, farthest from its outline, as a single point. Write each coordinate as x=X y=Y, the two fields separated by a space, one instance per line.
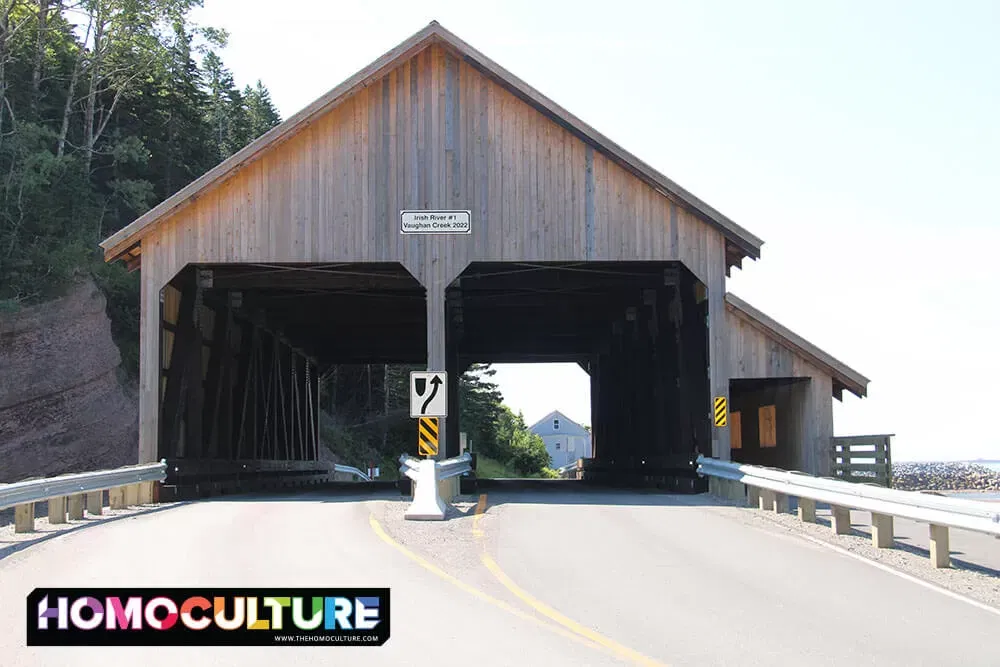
x=103 y=113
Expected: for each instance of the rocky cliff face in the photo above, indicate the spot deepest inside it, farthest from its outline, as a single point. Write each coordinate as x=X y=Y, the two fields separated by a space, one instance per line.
x=62 y=407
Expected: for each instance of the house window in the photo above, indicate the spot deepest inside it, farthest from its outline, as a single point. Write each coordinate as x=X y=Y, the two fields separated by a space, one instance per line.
x=768 y=428
x=555 y=424
x=557 y=446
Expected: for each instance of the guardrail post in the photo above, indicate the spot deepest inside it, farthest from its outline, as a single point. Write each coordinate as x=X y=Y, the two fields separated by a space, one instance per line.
x=24 y=518
x=807 y=510
x=131 y=495
x=765 y=499
x=117 y=498
x=57 y=510
x=840 y=520
x=940 y=553
x=753 y=496
x=882 y=536
x=146 y=493
x=95 y=503
x=76 y=507
x=779 y=502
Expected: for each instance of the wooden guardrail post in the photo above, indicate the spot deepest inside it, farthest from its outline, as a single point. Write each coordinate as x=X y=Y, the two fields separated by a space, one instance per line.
x=779 y=502
x=132 y=495
x=764 y=499
x=75 y=507
x=118 y=498
x=840 y=520
x=807 y=510
x=940 y=552
x=882 y=536
x=95 y=503
x=57 y=510
x=24 y=518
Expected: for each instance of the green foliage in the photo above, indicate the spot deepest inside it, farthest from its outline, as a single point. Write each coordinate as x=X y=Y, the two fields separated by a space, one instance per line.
x=519 y=447
x=487 y=468
x=368 y=431
x=480 y=401
x=121 y=289
x=94 y=132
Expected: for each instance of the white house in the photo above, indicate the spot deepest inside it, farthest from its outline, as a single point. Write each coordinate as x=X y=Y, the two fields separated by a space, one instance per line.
x=565 y=440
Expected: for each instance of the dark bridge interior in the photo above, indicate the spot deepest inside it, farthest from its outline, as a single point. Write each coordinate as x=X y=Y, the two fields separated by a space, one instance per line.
x=245 y=346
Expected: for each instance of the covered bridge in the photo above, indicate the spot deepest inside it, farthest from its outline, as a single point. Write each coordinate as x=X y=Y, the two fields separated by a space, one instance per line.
x=290 y=257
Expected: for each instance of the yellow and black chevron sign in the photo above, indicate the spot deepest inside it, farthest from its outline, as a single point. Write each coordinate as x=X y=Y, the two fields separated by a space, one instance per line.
x=720 y=411
x=427 y=436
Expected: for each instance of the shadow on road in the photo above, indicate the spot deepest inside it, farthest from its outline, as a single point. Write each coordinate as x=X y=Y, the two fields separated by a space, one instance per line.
x=21 y=541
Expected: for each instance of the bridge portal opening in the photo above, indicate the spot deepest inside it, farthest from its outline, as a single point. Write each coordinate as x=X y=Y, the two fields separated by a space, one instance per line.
x=256 y=359
x=639 y=329
x=543 y=425
x=768 y=421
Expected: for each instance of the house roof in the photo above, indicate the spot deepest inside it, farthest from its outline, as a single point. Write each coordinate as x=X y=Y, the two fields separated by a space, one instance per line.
x=553 y=415
x=123 y=244
x=843 y=376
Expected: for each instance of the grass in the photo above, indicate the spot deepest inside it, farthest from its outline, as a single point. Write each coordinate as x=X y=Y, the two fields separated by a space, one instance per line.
x=488 y=468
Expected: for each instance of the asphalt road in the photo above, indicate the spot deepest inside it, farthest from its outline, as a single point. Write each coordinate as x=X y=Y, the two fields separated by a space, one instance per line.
x=539 y=578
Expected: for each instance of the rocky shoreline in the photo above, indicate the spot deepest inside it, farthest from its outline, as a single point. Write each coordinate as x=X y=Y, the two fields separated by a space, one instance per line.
x=944 y=477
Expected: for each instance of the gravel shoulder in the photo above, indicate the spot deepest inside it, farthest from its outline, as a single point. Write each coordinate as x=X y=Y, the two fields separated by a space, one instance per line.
x=975 y=580
x=11 y=542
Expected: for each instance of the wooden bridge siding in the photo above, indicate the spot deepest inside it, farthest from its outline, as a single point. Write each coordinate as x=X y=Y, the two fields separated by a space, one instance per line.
x=754 y=354
x=333 y=193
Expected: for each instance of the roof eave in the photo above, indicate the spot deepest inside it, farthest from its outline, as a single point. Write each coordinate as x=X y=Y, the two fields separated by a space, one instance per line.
x=843 y=376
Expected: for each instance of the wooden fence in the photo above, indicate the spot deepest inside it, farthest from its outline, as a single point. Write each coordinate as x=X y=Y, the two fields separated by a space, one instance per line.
x=863 y=458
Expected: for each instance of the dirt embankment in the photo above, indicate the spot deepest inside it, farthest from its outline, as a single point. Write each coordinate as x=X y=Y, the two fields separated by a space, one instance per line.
x=62 y=406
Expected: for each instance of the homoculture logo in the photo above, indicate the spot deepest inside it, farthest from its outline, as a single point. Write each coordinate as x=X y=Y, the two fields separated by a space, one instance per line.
x=208 y=617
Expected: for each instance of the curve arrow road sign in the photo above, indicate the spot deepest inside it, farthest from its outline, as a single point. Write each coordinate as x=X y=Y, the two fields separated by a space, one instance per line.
x=428 y=394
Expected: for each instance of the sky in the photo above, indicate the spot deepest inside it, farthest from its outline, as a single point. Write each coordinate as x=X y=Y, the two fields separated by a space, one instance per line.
x=859 y=140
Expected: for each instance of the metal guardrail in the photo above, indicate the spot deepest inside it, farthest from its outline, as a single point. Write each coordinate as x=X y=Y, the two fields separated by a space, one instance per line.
x=38 y=490
x=445 y=469
x=429 y=495
x=353 y=471
x=571 y=470
x=938 y=511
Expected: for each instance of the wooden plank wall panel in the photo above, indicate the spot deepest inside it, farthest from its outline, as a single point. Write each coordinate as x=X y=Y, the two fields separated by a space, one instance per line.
x=757 y=355
x=333 y=192
x=718 y=348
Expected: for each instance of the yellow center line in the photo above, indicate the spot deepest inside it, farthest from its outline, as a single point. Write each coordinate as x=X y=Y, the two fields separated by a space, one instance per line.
x=377 y=527
x=549 y=612
x=480 y=508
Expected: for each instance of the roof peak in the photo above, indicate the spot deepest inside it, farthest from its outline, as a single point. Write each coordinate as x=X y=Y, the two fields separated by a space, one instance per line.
x=119 y=244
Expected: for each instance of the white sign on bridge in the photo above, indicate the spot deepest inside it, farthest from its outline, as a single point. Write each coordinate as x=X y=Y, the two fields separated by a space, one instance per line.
x=435 y=222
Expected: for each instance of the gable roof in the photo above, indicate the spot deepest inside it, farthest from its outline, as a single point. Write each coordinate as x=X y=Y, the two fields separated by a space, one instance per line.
x=123 y=244
x=843 y=376
x=553 y=415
